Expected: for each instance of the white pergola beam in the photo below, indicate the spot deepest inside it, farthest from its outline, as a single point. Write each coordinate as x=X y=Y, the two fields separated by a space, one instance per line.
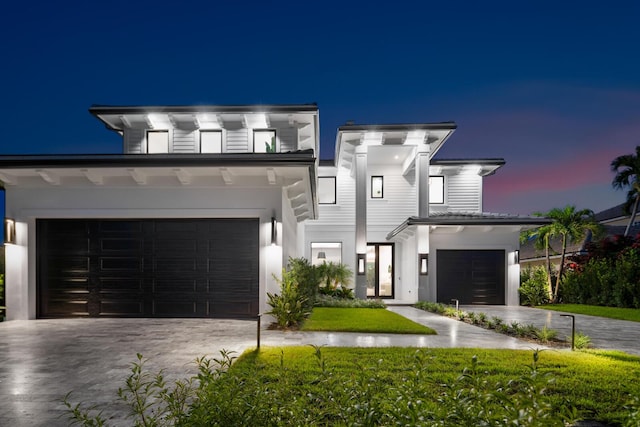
x=137 y=175
x=226 y=176
x=183 y=176
x=48 y=177
x=271 y=176
x=93 y=177
x=7 y=179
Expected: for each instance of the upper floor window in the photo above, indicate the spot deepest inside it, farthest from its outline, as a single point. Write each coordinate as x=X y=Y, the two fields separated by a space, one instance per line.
x=436 y=189
x=377 y=184
x=327 y=190
x=210 y=141
x=264 y=141
x=157 y=141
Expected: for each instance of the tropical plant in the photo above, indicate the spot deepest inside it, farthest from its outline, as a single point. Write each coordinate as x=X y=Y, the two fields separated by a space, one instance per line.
x=307 y=277
x=627 y=169
x=289 y=307
x=570 y=225
x=533 y=286
x=335 y=274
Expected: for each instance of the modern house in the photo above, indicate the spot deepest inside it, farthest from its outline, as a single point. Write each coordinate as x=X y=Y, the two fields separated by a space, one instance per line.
x=207 y=203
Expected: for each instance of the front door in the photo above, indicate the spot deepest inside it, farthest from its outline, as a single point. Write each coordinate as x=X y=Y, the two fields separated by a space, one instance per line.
x=380 y=270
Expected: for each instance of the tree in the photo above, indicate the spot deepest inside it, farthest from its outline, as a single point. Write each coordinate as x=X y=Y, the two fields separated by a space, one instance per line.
x=541 y=236
x=569 y=225
x=627 y=169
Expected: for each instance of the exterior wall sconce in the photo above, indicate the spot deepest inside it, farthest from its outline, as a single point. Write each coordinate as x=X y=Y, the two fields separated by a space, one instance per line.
x=9 y=231
x=361 y=264
x=322 y=255
x=274 y=236
x=516 y=256
x=423 y=264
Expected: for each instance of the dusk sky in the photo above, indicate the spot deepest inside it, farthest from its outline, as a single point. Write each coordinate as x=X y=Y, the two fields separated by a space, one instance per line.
x=552 y=87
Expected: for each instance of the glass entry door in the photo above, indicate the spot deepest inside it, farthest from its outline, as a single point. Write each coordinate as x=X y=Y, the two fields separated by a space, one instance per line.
x=380 y=270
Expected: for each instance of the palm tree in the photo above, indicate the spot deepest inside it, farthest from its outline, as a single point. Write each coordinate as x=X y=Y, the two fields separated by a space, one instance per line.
x=570 y=225
x=541 y=236
x=627 y=169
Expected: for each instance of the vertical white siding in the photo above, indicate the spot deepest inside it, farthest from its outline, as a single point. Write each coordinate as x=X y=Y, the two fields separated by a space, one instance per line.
x=133 y=141
x=184 y=141
x=464 y=192
x=238 y=141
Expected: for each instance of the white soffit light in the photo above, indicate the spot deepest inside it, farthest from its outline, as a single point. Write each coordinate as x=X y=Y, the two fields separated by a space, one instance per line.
x=416 y=136
x=207 y=121
x=373 y=138
x=257 y=121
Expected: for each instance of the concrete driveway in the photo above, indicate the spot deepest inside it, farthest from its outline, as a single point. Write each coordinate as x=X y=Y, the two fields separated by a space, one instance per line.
x=42 y=360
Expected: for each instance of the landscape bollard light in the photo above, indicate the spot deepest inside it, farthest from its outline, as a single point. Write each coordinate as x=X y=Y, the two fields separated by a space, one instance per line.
x=258 y=332
x=573 y=329
x=457 y=304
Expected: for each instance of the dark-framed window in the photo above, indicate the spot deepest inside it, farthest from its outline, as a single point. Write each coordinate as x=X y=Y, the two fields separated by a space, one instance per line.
x=327 y=190
x=211 y=141
x=264 y=141
x=436 y=189
x=377 y=187
x=157 y=141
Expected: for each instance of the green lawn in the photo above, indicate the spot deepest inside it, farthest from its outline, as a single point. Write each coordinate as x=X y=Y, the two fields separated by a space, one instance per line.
x=632 y=314
x=337 y=386
x=369 y=320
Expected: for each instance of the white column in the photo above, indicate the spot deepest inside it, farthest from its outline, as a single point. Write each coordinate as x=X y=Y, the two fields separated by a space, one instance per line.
x=422 y=179
x=360 y=164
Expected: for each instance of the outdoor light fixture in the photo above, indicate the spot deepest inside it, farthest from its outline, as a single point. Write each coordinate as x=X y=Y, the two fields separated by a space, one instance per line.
x=322 y=255
x=423 y=263
x=361 y=264
x=274 y=236
x=9 y=231
x=516 y=256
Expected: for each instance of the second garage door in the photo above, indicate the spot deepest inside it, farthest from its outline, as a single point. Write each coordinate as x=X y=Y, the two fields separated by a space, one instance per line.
x=472 y=277
x=148 y=268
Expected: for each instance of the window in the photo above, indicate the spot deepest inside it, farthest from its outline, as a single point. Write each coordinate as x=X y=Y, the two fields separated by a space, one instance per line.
x=157 y=141
x=327 y=190
x=436 y=189
x=376 y=187
x=264 y=141
x=326 y=252
x=210 y=141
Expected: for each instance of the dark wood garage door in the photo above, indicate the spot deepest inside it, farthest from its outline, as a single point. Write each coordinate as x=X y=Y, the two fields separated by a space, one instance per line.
x=472 y=277
x=148 y=268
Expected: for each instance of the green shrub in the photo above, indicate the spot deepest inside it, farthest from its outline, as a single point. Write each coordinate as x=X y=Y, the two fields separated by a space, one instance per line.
x=307 y=277
x=581 y=341
x=608 y=281
x=333 y=301
x=290 y=306
x=533 y=287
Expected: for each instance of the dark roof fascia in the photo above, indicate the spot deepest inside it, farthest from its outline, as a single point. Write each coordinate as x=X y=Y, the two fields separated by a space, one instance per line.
x=266 y=108
x=481 y=221
x=398 y=127
x=156 y=160
x=458 y=162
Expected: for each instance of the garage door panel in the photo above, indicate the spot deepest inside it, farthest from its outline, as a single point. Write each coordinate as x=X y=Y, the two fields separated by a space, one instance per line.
x=149 y=268
x=121 y=244
x=471 y=276
x=121 y=264
x=121 y=308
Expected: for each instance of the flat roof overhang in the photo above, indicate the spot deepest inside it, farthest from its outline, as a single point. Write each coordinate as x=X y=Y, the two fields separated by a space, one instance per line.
x=295 y=172
x=477 y=220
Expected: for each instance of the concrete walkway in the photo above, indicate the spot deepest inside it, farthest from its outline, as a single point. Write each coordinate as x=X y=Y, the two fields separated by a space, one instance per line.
x=42 y=360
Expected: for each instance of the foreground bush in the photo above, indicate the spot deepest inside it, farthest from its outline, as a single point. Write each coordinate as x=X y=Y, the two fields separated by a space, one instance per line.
x=533 y=287
x=342 y=386
x=607 y=281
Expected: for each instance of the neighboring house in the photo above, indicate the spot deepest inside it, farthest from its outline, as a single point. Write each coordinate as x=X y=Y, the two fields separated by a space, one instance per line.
x=207 y=203
x=614 y=222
